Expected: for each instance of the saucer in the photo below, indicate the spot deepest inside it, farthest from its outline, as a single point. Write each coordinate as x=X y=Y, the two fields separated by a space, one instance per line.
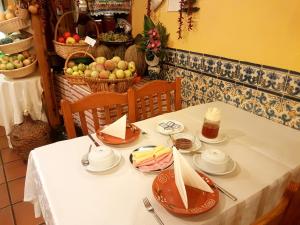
x=196 y=143
x=118 y=158
x=198 y=163
x=168 y=127
x=220 y=138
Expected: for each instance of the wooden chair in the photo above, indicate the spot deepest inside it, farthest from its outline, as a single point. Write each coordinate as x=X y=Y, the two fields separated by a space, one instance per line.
x=111 y=103
x=286 y=212
x=155 y=98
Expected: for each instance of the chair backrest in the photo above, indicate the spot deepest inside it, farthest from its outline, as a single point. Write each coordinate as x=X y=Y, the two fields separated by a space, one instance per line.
x=155 y=98
x=287 y=210
x=108 y=106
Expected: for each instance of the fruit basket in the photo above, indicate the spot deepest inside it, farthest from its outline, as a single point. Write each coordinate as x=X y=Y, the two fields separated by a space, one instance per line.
x=20 y=72
x=64 y=49
x=117 y=85
x=16 y=47
x=75 y=79
x=14 y=24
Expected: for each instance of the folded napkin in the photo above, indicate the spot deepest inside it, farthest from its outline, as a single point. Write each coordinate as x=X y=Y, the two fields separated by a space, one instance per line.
x=186 y=175
x=117 y=128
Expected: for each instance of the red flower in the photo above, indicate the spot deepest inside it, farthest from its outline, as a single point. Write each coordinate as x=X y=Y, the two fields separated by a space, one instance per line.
x=153 y=33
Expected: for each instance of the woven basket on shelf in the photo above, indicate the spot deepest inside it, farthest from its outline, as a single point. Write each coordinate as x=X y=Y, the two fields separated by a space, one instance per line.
x=29 y=135
x=64 y=50
x=22 y=13
x=21 y=72
x=18 y=46
x=12 y=25
x=78 y=80
x=118 y=85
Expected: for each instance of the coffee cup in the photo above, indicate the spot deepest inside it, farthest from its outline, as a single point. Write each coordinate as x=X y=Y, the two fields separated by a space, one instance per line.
x=101 y=158
x=214 y=160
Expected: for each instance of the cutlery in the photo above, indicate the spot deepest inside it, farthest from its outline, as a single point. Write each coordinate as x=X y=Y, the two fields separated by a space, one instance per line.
x=95 y=142
x=149 y=207
x=85 y=157
x=227 y=193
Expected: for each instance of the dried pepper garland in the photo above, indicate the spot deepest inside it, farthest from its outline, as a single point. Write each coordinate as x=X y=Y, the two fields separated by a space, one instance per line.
x=148 y=7
x=186 y=6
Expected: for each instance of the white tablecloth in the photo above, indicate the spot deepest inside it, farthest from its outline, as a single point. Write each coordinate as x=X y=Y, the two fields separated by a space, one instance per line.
x=267 y=154
x=16 y=95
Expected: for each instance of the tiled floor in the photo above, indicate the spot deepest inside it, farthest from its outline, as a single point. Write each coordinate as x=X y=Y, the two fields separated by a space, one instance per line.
x=13 y=211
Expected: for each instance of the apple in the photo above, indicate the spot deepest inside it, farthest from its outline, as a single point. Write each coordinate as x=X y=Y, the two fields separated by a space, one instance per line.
x=120 y=74
x=75 y=68
x=76 y=37
x=104 y=74
x=80 y=72
x=81 y=66
x=67 y=35
x=75 y=73
x=18 y=64
x=2 y=66
x=131 y=66
x=70 y=41
x=109 y=65
x=100 y=59
x=10 y=66
x=20 y=57
x=69 y=71
x=122 y=65
x=99 y=67
x=26 y=62
x=128 y=73
x=26 y=54
x=112 y=76
x=71 y=64
x=61 y=40
x=116 y=59
x=87 y=73
x=93 y=64
x=95 y=74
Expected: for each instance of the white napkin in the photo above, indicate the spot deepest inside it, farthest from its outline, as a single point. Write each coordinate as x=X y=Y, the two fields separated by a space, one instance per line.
x=117 y=128
x=186 y=175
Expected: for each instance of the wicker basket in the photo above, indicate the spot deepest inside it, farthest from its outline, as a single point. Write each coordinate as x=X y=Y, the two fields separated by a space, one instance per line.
x=22 y=13
x=29 y=135
x=77 y=80
x=16 y=47
x=12 y=25
x=64 y=50
x=21 y=72
x=118 y=85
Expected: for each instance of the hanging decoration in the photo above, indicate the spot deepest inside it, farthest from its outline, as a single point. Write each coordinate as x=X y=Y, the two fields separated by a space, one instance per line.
x=188 y=7
x=148 y=7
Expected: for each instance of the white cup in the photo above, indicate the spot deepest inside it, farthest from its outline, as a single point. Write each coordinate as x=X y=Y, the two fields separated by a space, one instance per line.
x=214 y=160
x=101 y=158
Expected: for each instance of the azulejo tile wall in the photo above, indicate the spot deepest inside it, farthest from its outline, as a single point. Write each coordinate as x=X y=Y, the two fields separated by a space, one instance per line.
x=269 y=92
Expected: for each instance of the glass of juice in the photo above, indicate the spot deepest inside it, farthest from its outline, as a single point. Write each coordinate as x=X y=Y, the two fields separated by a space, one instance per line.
x=211 y=125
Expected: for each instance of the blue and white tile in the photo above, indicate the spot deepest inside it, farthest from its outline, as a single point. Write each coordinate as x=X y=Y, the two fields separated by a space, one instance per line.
x=272 y=80
x=228 y=69
x=246 y=96
x=250 y=74
x=195 y=62
x=210 y=65
x=267 y=105
x=290 y=114
x=169 y=72
x=203 y=85
x=182 y=59
x=226 y=91
x=170 y=56
x=292 y=87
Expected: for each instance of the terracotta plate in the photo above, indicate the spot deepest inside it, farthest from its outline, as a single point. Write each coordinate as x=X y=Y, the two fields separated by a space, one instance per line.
x=166 y=193
x=132 y=133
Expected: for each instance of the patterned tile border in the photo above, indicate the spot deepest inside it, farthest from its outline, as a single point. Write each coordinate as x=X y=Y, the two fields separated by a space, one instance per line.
x=266 y=91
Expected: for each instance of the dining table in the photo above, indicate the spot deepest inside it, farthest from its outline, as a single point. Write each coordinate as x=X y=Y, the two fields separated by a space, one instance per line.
x=266 y=154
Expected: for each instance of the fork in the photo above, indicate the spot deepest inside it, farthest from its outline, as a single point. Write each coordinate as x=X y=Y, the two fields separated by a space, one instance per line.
x=149 y=207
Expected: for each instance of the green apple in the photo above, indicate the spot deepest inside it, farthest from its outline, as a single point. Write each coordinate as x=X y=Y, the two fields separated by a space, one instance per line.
x=122 y=65
x=87 y=73
x=95 y=74
x=75 y=68
x=81 y=66
x=116 y=59
x=70 y=41
x=69 y=71
x=120 y=74
x=112 y=76
x=10 y=66
x=75 y=73
x=100 y=60
x=81 y=73
x=2 y=66
x=18 y=64
x=128 y=73
x=20 y=57
x=131 y=66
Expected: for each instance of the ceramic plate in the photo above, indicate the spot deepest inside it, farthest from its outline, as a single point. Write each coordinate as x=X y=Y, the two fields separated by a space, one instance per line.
x=117 y=161
x=165 y=191
x=199 y=164
x=148 y=148
x=195 y=140
x=169 y=127
x=132 y=133
x=221 y=137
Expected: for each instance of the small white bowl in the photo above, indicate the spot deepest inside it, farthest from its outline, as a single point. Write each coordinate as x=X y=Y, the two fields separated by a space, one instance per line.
x=101 y=158
x=214 y=160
